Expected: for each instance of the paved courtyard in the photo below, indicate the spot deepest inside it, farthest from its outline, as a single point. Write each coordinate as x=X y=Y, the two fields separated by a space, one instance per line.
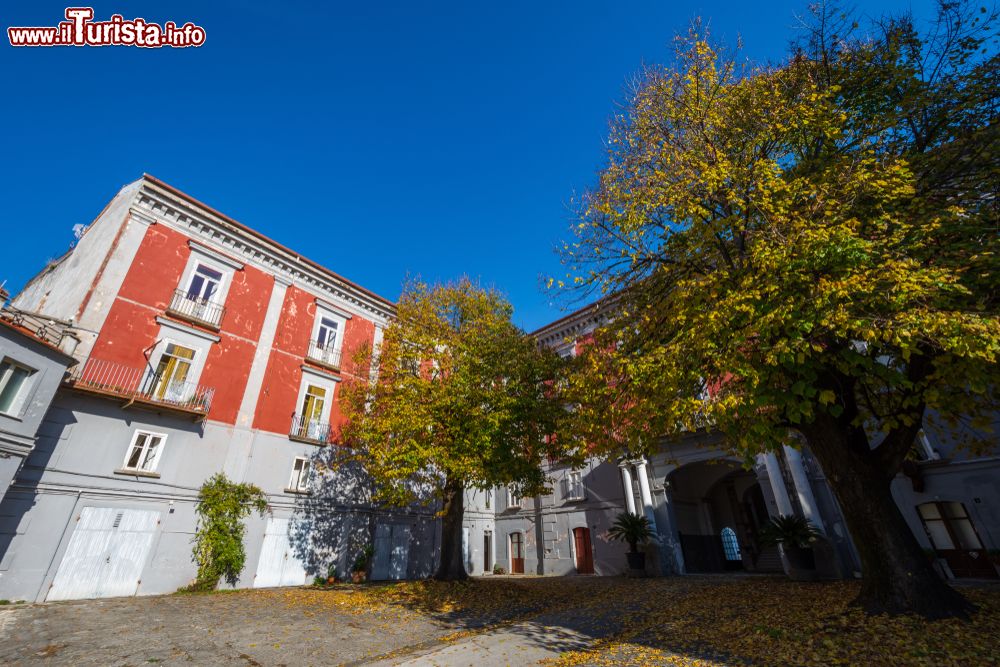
x=497 y=621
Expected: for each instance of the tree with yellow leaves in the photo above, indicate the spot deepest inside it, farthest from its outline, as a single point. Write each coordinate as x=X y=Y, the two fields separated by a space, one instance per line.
x=805 y=251
x=463 y=399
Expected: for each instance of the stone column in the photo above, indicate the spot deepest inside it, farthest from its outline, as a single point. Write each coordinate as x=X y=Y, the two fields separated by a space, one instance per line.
x=673 y=545
x=802 y=487
x=644 y=492
x=627 y=483
x=777 y=484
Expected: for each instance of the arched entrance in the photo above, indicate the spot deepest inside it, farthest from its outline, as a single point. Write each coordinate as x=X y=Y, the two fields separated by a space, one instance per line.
x=718 y=511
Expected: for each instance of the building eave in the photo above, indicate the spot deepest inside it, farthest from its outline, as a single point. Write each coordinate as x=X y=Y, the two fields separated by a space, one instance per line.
x=161 y=200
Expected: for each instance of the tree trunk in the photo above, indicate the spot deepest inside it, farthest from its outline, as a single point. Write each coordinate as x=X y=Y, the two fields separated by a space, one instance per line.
x=451 y=566
x=897 y=577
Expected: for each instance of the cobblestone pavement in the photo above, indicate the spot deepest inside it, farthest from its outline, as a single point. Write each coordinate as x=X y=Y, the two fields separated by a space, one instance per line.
x=295 y=626
x=243 y=628
x=494 y=621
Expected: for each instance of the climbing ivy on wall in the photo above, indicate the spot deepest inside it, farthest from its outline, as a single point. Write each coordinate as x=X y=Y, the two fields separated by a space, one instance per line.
x=218 y=541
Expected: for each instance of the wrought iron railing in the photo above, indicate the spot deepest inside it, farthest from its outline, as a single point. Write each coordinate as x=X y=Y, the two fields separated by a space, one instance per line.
x=310 y=431
x=52 y=331
x=190 y=307
x=327 y=354
x=141 y=384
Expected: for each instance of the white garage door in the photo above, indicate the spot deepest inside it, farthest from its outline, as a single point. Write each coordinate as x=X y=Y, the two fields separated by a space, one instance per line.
x=278 y=565
x=105 y=555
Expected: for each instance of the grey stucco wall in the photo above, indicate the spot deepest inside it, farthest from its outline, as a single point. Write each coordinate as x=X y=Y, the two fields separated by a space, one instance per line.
x=49 y=366
x=84 y=440
x=973 y=482
x=17 y=430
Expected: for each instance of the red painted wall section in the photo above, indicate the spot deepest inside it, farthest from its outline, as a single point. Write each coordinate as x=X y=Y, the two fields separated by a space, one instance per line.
x=295 y=326
x=227 y=368
x=283 y=377
x=151 y=279
x=280 y=389
x=153 y=276
x=246 y=303
x=156 y=268
x=357 y=332
x=278 y=394
x=128 y=331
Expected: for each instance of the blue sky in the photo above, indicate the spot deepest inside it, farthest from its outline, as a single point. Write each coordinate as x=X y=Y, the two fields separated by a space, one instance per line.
x=380 y=139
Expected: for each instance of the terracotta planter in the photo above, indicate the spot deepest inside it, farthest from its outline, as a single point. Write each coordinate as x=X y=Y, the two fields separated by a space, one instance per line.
x=358 y=577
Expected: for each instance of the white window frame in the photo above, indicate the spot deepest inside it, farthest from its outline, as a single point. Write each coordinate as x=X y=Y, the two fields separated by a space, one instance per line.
x=323 y=382
x=340 y=320
x=571 y=494
x=199 y=256
x=300 y=480
x=156 y=457
x=20 y=398
x=178 y=334
x=513 y=500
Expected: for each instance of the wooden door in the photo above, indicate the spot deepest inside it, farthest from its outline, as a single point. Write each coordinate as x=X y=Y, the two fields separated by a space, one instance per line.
x=487 y=552
x=584 y=555
x=516 y=553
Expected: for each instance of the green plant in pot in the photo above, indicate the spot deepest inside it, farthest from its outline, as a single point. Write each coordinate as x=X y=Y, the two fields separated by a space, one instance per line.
x=633 y=529
x=795 y=536
x=359 y=572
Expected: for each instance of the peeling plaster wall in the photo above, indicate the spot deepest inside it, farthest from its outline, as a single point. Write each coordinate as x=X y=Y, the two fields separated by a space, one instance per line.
x=82 y=284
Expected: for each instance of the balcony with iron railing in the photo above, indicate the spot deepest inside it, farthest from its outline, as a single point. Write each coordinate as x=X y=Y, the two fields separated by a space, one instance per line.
x=195 y=309
x=141 y=387
x=312 y=432
x=324 y=355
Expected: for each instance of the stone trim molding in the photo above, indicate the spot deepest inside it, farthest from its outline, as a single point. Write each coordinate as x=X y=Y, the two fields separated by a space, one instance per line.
x=319 y=373
x=332 y=308
x=217 y=256
x=207 y=227
x=174 y=324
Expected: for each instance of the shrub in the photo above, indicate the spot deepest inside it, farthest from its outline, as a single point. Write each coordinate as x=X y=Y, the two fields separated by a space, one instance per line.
x=218 y=541
x=631 y=528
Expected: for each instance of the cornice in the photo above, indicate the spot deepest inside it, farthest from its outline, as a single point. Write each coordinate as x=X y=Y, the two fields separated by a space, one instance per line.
x=573 y=328
x=581 y=321
x=206 y=227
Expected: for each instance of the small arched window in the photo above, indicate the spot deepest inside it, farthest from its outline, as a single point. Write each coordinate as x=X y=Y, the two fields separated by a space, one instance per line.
x=730 y=545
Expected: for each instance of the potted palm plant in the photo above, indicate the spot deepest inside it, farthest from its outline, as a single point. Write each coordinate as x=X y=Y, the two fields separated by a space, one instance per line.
x=632 y=529
x=795 y=536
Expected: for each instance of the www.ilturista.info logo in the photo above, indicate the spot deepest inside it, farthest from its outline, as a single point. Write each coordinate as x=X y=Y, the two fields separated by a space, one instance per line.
x=79 y=29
